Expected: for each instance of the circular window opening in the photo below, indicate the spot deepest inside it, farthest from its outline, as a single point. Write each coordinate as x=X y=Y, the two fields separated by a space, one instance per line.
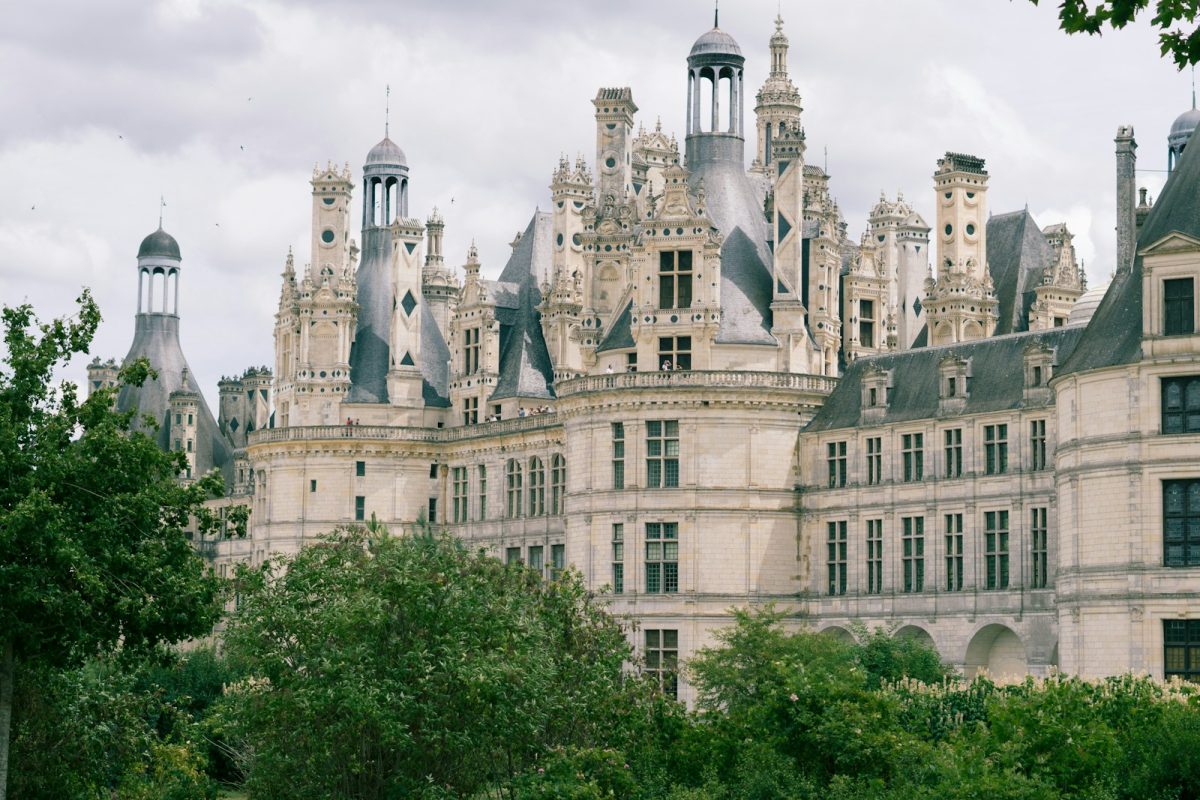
x=949 y=230
x=559 y=240
x=970 y=229
x=327 y=201
x=970 y=195
x=327 y=236
x=577 y=240
x=949 y=195
x=610 y=162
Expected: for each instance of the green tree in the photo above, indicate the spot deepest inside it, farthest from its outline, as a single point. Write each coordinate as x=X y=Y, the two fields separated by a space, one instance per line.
x=1174 y=39
x=93 y=554
x=386 y=666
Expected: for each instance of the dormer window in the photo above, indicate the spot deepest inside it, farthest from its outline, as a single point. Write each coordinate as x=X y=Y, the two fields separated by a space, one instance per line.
x=1179 y=306
x=954 y=384
x=876 y=392
x=1039 y=367
x=675 y=279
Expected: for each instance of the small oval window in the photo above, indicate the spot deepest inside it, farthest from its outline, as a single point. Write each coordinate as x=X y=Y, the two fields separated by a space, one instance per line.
x=970 y=229
x=559 y=241
x=949 y=229
x=327 y=236
x=577 y=240
x=610 y=162
x=327 y=201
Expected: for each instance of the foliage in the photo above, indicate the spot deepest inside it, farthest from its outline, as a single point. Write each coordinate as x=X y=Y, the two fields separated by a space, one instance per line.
x=92 y=548
x=406 y=666
x=1182 y=45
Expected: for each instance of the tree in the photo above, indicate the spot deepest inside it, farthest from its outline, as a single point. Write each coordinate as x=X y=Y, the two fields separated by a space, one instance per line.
x=93 y=555
x=1182 y=45
x=406 y=666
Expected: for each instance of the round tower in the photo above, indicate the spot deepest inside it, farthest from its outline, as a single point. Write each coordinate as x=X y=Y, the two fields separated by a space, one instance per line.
x=715 y=125
x=777 y=104
x=158 y=274
x=1181 y=130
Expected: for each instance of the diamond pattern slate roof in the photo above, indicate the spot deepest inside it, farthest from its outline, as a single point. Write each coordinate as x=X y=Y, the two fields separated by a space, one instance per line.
x=620 y=333
x=525 y=367
x=1114 y=334
x=1017 y=255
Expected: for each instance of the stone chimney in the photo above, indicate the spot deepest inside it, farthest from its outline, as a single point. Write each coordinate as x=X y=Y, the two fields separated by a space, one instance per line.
x=1126 y=196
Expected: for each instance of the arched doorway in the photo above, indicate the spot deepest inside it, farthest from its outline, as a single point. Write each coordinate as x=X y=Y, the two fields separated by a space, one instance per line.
x=998 y=650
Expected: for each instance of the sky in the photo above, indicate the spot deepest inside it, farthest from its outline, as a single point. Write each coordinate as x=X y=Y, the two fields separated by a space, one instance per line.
x=223 y=108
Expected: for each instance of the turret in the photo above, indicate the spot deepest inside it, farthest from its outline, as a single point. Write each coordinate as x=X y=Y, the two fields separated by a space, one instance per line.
x=715 y=126
x=102 y=374
x=184 y=413
x=404 y=367
x=778 y=102
x=614 y=142
x=331 y=190
x=439 y=286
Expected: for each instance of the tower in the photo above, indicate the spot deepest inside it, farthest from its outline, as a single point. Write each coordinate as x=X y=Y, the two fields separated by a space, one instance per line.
x=960 y=302
x=102 y=374
x=439 y=286
x=330 y=220
x=385 y=197
x=1181 y=131
x=777 y=103
x=404 y=344
x=183 y=418
x=1126 y=195
x=614 y=142
x=715 y=66
x=562 y=298
x=1062 y=281
x=901 y=240
x=788 y=256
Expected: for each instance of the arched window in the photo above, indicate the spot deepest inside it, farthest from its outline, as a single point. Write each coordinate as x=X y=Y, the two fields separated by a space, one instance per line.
x=512 y=475
x=558 y=483
x=537 y=487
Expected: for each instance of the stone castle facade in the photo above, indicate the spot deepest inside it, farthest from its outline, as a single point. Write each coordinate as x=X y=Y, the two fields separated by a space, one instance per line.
x=690 y=384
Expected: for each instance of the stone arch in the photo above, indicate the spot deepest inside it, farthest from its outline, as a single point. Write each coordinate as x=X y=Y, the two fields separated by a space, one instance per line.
x=942 y=333
x=916 y=633
x=997 y=649
x=839 y=633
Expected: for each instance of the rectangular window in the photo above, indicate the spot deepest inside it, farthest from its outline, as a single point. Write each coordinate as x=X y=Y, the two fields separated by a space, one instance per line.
x=470 y=410
x=558 y=483
x=433 y=517
x=995 y=449
x=675 y=279
x=674 y=352
x=662 y=659
x=954 y=552
x=631 y=362
x=913 y=555
x=866 y=323
x=662 y=557
x=471 y=351
x=360 y=469
x=1181 y=523
x=433 y=470
x=1179 y=306
x=459 y=483
x=835 y=459
x=952 y=452
x=835 y=561
x=482 y=488
x=360 y=508
x=662 y=454
x=513 y=478
x=618 y=557
x=1181 y=648
x=912 y=449
x=558 y=560
x=1037 y=444
x=1181 y=404
x=874 y=556
x=189 y=441
x=312 y=485
x=535 y=558
x=995 y=548
x=537 y=487
x=618 y=456
x=1040 y=547
x=512 y=555
x=874 y=460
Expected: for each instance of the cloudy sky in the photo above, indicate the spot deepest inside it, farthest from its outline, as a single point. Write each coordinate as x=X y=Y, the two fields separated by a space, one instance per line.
x=224 y=106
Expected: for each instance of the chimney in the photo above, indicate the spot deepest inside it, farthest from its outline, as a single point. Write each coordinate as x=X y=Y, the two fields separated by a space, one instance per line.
x=1126 y=196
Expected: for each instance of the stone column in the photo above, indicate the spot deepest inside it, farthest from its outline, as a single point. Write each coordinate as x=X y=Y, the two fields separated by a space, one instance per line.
x=1126 y=196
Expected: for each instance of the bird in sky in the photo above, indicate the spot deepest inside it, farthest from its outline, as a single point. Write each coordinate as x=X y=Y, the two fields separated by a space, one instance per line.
x=242 y=146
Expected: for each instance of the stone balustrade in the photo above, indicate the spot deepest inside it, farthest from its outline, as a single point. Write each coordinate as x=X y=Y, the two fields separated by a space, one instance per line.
x=697 y=379
x=398 y=433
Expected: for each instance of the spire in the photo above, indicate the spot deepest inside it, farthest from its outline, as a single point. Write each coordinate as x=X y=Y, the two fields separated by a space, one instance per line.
x=716 y=13
x=163 y=203
x=387 y=110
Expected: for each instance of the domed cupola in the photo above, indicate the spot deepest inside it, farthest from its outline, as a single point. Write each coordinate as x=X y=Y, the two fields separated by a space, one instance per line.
x=1181 y=130
x=385 y=184
x=158 y=262
x=715 y=67
x=387 y=152
x=159 y=244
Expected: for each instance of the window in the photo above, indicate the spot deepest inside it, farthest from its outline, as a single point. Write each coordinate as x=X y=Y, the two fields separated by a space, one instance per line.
x=952 y=439
x=433 y=469
x=866 y=323
x=662 y=659
x=1038 y=535
x=618 y=456
x=995 y=449
x=482 y=488
x=360 y=508
x=675 y=279
x=1179 y=306
x=836 y=557
x=471 y=351
x=432 y=510
x=537 y=488
x=470 y=410
x=1181 y=648
x=558 y=483
x=189 y=441
x=312 y=485
x=618 y=557
x=360 y=469
x=1181 y=523
x=874 y=556
x=512 y=476
x=874 y=460
x=558 y=560
x=535 y=558
x=913 y=555
x=1037 y=444
x=662 y=557
x=631 y=362
x=835 y=459
x=912 y=448
x=954 y=552
x=1181 y=404
x=459 y=483
x=675 y=352
x=995 y=545
x=512 y=555
x=662 y=454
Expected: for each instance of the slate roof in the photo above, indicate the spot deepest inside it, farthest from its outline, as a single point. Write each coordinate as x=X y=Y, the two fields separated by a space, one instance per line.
x=1114 y=334
x=997 y=380
x=620 y=333
x=1017 y=255
x=525 y=367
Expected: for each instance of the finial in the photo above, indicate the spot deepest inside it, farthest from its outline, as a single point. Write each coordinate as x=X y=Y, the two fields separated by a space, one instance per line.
x=163 y=203
x=716 y=13
x=387 y=109
x=658 y=124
